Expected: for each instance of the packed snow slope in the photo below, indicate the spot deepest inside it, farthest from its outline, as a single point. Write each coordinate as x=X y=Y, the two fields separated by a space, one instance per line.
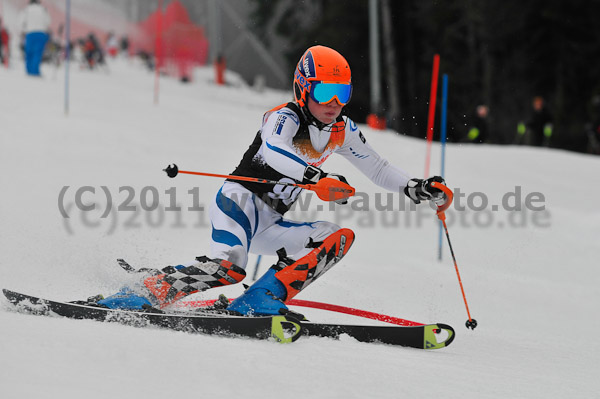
x=531 y=276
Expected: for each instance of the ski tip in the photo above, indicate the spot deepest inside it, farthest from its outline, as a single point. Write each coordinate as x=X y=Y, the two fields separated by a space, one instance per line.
x=285 y=329
x=432 y=337
x=8 y=294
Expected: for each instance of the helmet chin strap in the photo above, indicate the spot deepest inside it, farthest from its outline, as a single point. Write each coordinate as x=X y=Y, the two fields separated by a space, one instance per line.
x=312 y=120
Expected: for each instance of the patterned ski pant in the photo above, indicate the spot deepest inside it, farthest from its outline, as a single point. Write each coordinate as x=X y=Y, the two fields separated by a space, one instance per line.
x=243 y=223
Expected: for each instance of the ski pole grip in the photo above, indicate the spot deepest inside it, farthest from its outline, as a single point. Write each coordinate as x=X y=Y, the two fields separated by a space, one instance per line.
x=448 y=193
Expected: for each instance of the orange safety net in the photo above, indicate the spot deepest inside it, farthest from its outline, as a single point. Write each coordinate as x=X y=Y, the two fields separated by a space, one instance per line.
x=177 y=43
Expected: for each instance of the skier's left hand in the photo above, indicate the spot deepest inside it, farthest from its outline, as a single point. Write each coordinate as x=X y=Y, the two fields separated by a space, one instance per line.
x=422 y=190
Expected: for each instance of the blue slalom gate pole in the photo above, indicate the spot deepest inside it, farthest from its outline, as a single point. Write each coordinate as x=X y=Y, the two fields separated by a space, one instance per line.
x=67 y=53
x=443 y=143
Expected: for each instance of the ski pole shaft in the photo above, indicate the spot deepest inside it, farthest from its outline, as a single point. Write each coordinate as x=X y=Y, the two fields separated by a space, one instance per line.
x=457 y=272
x=326 y=189
x=471 y=323
x=242 y=178
x=256 y=267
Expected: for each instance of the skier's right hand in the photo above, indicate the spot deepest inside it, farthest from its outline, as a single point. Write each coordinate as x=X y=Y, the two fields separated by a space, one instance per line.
x=313 y=174
x=341 y=178
x=422 y=190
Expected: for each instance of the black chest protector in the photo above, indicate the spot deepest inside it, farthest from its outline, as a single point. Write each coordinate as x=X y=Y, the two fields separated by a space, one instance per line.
x=279 y=197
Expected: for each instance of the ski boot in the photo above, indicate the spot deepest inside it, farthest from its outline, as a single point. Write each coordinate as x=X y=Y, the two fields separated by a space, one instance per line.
x=126 y=298
x=172 y=283
x=285 y=279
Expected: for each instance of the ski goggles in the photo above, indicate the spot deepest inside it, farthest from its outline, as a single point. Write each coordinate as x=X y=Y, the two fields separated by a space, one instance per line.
x=324 y=93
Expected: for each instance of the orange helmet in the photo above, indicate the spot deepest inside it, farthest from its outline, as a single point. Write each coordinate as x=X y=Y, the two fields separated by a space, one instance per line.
x=323 y=74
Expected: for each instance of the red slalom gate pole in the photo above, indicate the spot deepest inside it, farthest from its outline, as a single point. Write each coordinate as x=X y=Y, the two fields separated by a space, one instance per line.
x=471 y=323
x=431 y=118
x=158 y=51
x=315 y=305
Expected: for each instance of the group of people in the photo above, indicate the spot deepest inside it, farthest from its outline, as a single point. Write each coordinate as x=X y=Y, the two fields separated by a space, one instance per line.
x=534 y=131
x=39 y=45
x=537 y=130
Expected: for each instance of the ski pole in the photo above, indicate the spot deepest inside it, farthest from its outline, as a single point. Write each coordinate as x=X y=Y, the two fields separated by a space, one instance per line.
x=327 y=189
x=256 y=267
x=471 y=323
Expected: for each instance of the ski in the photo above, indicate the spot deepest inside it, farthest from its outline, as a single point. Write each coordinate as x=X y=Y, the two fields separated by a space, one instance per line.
x=280 y=328
x=401 y=332
x=285 y=328
x=421 y=337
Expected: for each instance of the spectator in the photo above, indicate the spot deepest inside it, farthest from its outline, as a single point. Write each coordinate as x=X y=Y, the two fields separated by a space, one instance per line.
x=220 y=69
x=61 y=43
x=521 y=133
x=52 y=51
x=147 y=58
x=112 y=45
x=78 y=52
x=539 y=126
x=93 y=52
x=4 y=47
x=478 y=126
x=124 y=45
x=35 y=22
x=593 y=127
x=22 y=45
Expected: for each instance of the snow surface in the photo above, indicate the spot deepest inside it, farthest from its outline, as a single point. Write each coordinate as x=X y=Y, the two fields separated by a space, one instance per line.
x=530 y=277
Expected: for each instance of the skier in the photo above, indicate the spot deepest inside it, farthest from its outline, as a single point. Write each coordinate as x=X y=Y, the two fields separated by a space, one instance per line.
x=295 y=140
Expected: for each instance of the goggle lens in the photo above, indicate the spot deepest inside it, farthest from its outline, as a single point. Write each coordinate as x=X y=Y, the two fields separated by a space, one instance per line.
x=324 y=93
